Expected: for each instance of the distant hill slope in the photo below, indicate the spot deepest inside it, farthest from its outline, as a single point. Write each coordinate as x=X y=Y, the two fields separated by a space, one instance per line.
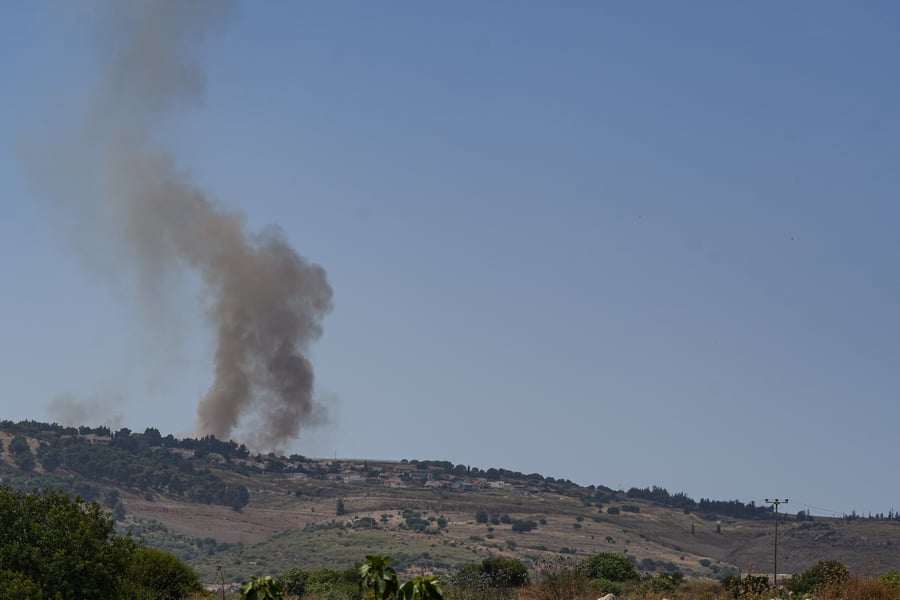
x=215 y=505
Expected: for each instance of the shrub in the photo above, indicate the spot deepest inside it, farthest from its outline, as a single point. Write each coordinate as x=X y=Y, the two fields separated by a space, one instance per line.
x=891 y=579
x=365 y=523
x=492 y=573
x=561 y=583
x=830 y=573
x=750 y=585
x=523 y=526
x=608 y=565
x=867 y=588
x=157 y=574
x=605 y=586
x=417 y=523
x=661 y=583
x=328 y=583
x=295 y=582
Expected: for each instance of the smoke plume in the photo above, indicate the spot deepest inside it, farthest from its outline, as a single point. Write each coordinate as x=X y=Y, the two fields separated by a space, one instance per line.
x=68 y=409
x=266 y=301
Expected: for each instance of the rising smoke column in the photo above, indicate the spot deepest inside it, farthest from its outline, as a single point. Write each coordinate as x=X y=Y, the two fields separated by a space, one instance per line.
x=267 y=302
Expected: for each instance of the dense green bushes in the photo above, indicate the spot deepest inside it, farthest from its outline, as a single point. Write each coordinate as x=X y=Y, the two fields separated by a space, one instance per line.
x=328 y=583
x=159 y=575
x=374 y=579
x=610 y=566
x=825 y=573
x=62 y=545
x=56 y=546
x=495 y=572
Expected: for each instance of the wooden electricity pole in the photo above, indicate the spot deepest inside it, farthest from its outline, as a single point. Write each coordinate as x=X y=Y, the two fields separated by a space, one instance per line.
x=775 y=502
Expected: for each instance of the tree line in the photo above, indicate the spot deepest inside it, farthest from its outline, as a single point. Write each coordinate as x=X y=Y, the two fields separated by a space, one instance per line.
x=141 y=462
x=731 y=508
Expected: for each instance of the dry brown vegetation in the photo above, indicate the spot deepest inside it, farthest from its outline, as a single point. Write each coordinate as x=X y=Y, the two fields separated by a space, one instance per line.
x=275 y=530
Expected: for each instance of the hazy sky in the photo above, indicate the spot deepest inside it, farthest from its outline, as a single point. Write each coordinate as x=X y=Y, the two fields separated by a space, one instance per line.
x=626 y=244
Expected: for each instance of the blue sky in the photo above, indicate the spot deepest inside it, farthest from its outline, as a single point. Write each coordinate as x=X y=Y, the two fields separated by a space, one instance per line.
x=625 y=244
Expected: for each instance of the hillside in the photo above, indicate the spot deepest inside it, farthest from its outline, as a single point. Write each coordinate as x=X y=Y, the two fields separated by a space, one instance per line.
x=215 y=505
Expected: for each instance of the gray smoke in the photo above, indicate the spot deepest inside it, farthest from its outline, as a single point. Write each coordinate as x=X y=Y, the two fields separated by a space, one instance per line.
x=68 y=409
x=266 y=301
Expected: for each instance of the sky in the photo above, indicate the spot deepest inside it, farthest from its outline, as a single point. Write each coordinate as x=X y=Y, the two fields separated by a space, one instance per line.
x=625 y=244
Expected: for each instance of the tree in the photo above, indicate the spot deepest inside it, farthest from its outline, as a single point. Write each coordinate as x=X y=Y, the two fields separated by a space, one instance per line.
x=481 y=516
x=295 y=581
x=21 y=453
x=17 y=586
x=159 y=575
x=378 y=576
x=341 y=509
x=111 y=498
x=826 y=573
x=494 y=572
x=523 y=526
x=608 y=565
x=65 y=546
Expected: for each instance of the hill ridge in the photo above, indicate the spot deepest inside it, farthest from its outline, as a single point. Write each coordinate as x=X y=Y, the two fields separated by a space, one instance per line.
x=214 y=503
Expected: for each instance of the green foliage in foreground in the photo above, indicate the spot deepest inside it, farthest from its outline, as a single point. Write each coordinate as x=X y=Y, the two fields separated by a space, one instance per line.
x=825 y=573
x=327 y=583
x=64 y=546
x=262 y=588
x=373 y=579
x=564 y=581
x=159 y=575
x=53 y=546
x=378 y=577
x=421 y=588
x=749 y=585
x=18 y=586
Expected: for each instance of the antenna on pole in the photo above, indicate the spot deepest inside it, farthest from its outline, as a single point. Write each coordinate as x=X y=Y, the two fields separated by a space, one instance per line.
x=775 y=502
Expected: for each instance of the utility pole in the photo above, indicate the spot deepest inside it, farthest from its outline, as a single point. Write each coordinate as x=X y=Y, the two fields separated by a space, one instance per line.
x=221 y=573
x=775 y=502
